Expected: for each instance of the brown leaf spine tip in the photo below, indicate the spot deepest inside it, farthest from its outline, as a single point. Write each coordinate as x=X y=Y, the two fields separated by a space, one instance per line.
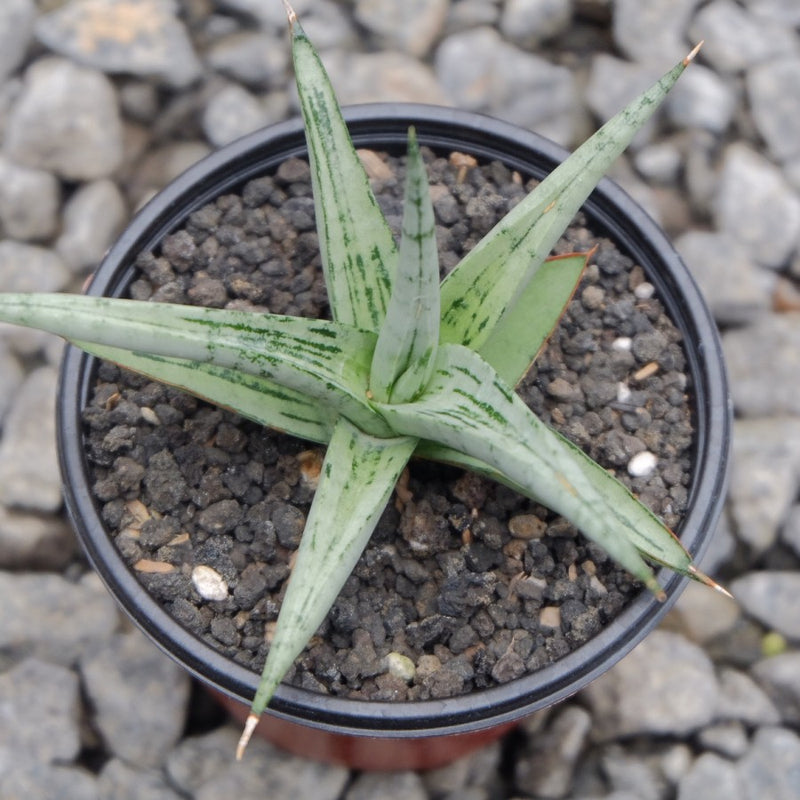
x=244 y=739
x=290 y=12
x=688 y=60
x=703 y=578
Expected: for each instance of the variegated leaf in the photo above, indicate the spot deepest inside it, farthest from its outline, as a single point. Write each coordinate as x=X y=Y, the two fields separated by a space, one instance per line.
x=357 y=478
x=327 y=361
x=468 y=408
x=359 y=254
x=478 y=291
x=253 y=397
x=406 y=348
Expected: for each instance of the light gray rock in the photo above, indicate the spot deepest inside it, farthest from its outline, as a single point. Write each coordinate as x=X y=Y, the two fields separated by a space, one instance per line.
x=653 y=31
x=382 y=77
x=762 y=360
x=29 y=474
x=16 y=31
x=790 y=533
x=701 y=99
x=54 y=619
x=712 y=778
x=480 y=72
x=121 y=781
x=117 y=36
x=786 y=12
x=546 y=767
x=764 y=477
x=272 y=15
x=328 y=27
x=736 y=289
x=528 y=23
x=477 y=770
x=613 y=83
x=11 y=377
x=467 y=14
x=412 y=26
x=659 y=162
x=162 y=165
x=664 y=686
x=780 y=678
x=30 y=268
x=633 y=774
x=771 y=767
x=256 y=59
x=39 y=713
x=203 y=768
x=139 y=697
x=30 y=200
x=49 y=782
x=93 y=217
x=773 y=91
x=728 y=739
x=380 y=785
x=704 y=615
x=741 y=699
x=736 y=39
x=770 y=596
x=231 y=113
x=755 y=204
x=35 y=541
x=66 y=121
x=198 y=759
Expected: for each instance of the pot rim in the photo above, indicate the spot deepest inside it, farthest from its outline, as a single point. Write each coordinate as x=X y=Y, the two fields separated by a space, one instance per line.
x=612 y=213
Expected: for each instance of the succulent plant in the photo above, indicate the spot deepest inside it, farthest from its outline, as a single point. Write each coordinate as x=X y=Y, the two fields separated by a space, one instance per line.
x=407 y=366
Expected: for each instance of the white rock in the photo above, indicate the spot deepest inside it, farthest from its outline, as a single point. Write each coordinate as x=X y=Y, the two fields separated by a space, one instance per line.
x=210 y=585
x=642 y=464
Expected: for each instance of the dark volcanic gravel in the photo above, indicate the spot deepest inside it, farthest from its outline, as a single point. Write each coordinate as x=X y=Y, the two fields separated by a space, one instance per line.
x=473 y=583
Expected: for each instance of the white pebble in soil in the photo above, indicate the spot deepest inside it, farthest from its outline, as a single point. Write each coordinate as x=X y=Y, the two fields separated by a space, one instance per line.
x=642 y=464
x=209 y=583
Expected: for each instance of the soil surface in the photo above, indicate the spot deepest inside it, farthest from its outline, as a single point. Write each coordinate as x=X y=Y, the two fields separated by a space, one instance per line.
x=473 y=583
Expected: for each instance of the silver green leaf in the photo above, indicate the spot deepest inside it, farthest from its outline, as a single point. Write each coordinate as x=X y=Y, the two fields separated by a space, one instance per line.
x=325 y=360
x=359 y=254
x=406 y=348
x=477 y=293
x=251 y=396
x=469 y=408
x=519 y=335
x=357 y=478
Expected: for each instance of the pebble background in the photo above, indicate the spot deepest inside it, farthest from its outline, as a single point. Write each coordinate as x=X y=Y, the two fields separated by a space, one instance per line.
x=103 y=101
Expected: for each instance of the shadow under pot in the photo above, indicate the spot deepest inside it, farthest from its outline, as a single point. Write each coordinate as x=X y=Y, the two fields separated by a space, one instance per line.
x=500 y=607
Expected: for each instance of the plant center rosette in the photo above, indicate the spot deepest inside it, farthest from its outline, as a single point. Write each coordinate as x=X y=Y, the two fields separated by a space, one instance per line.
x=465 y=583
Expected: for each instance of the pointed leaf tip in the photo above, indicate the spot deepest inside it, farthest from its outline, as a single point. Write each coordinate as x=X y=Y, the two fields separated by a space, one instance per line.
x=244 y=739
x=710 y=582
x=290 y=12
x=688 y=60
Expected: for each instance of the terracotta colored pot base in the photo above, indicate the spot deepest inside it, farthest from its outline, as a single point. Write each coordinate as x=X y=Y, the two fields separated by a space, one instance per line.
x=366 y=752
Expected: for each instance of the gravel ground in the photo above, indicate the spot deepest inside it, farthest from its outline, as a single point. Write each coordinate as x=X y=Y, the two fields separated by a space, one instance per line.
x=102 y=101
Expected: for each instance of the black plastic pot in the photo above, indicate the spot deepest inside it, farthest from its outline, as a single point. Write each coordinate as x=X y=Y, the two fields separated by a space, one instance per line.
x=612 y=213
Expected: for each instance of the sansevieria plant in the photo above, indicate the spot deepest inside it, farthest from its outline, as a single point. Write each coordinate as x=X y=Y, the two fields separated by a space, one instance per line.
x=407 y=366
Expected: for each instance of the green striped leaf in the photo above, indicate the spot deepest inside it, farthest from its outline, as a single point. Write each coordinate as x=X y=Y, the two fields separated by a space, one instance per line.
x=359 y=254
x=468 y=408
x=404 y=355
x=251 y=396
x=327 y=361
x=520 y=334
x=477 y=293
x=357 y=478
